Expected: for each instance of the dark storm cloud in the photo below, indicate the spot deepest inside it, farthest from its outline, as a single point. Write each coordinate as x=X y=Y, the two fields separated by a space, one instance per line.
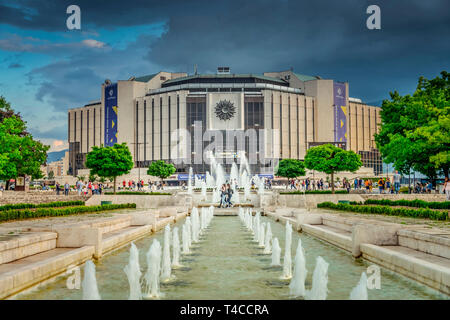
x=327 y=38
x=59 y=133
x=15 y=66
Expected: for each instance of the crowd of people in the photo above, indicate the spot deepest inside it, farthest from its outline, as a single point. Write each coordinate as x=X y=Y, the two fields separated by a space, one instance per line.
x=368 y=185
x=383 y=185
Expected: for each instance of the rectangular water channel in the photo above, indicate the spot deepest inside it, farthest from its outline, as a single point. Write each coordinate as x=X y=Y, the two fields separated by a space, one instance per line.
x=227 y=264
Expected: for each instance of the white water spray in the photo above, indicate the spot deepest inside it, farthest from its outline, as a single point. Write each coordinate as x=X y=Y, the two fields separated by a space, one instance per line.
x=297 y=285
x=89 y=283
x=133 y=272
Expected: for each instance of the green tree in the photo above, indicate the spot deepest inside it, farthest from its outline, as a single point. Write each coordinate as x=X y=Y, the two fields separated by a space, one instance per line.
x=51 y=175
x=92 y=177
x=331 y=159
x=110 y=161
x=161 y=169
x=21 y=155
x=415 y=129
x=290 y=168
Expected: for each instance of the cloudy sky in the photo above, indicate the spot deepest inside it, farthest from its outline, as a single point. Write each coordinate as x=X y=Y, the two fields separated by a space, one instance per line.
x=45 y=69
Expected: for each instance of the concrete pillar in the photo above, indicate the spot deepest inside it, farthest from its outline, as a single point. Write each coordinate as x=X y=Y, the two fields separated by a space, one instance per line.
x=379 y=235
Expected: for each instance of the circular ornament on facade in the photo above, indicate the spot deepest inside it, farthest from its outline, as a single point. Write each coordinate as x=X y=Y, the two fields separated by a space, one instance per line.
x=225 y=110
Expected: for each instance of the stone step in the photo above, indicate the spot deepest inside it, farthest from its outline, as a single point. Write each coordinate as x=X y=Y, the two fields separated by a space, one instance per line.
x=24 y=273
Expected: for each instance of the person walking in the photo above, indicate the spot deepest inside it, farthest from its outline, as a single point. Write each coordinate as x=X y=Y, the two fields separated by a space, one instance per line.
x=229 y=195
x=447 y=188
x=57 y=188
x=79 y=186
x=222 y=196
x=66 y=189
x=397 y=179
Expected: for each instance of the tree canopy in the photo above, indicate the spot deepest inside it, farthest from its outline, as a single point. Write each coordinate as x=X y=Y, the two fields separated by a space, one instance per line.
x=110 y=162
x=290 y=168
x=161 y=169
x=330 y=159
x=415 y=129
x=20 y=154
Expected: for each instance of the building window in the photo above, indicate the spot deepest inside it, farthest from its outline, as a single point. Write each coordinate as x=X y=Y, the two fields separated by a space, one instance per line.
x=196 y=111
x=153 y=129
x=145 y=130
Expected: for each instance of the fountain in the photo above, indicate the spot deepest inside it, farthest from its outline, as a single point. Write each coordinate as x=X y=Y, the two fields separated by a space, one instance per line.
x=360 y=291
x=220 y=176
x=256 y=226
x=188 y=224
x=211 y=214
x=185 y=239
x=246 y=184
x=261 y=234
x=195 y=224
x=197 y=182
x=319 y=288
x=297 y=285
x=268 y=240
x=235 y=196
x=89 y=283
x=133 y=272
x=287 y=262
x=261 y=186
x=190 y=181
x=244 y=166
x=276 y=252
x=234 y=175
x=153 y=269
x=216 y=196
x=203 y=186
x=166 y=264
x=175 y=248
x=209 y=179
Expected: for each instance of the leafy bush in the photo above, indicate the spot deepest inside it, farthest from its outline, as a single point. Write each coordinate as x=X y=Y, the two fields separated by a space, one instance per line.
x=56 y=212
x=41 y=205
x=141 y=193
x=314 y=192
x=386 y=210
x=410 y=203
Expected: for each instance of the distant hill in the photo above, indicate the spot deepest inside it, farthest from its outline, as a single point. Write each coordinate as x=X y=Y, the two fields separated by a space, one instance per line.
x=56 y=155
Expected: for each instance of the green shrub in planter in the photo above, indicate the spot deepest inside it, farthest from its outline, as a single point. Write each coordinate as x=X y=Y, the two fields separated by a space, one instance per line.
x=41 y=205
x=411 y=203
x=56 y=212
x=386 y=210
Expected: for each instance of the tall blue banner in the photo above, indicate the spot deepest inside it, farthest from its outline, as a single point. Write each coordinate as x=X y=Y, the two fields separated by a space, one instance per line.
x=111 y=115
x=340 y=112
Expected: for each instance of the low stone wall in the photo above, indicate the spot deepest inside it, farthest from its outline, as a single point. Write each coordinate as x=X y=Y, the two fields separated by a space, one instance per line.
x=25 y=245
x=12 y=197
x=142 y=201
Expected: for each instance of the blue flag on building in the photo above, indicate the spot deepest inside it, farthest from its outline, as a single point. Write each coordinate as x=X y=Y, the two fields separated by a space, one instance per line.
x=340 y=112
x=111 y=115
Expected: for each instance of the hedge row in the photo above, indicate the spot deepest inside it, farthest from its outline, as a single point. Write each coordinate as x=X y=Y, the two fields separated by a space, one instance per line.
x=141 y=193
x=315 y=192
x=52 y=212
x=41 y=205
x=410 y=203
x=386 y=210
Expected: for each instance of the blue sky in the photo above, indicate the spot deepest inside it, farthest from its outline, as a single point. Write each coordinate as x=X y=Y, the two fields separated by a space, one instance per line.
x=45 y=69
